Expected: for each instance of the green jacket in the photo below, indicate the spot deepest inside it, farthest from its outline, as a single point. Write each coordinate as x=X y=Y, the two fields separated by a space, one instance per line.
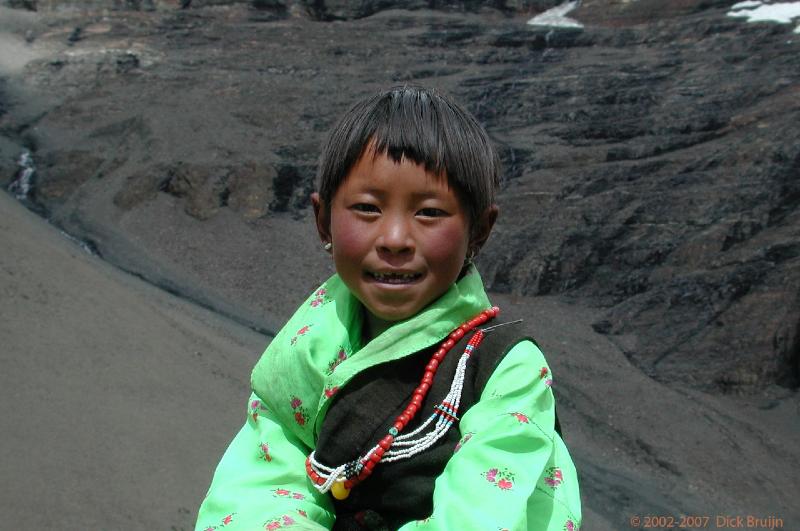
x=511 y=470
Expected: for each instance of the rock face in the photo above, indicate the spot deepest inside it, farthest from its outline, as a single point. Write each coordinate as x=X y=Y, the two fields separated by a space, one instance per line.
x=651 y=159
x=651 y=173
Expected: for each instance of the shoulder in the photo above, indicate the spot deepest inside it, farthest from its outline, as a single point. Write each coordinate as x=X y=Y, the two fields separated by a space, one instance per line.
x=508 y=351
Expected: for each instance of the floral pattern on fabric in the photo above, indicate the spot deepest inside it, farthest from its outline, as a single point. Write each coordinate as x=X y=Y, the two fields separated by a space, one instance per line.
x=330 y=391
x=502 y=479
x=554 y=477
x=544 y=373
x=569 y=525
x=264 y=452
x=301 y=332
x=320 y=298
x=300 y=413
x=340 y=357
x=226 y=520
x=284 y=493
x=278 y=523
x=467 y=436
x=521 y=417
x=255 y=407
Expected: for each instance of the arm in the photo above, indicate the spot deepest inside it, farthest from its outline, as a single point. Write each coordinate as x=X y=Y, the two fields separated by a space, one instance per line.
x=511 y=470
x=260 y=483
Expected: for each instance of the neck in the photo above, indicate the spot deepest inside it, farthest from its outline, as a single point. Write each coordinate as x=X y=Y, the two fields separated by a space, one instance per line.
x=373 y=326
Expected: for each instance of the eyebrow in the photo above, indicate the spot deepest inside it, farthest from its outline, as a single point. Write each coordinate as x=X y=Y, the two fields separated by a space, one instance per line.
x=417 y=196
x=424 y=195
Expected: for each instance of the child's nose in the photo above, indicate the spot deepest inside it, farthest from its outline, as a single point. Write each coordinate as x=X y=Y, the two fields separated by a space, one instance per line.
x=395 y=237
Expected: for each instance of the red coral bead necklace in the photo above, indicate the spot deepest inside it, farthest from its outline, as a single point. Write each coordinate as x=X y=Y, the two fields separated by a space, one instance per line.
x=394 y=447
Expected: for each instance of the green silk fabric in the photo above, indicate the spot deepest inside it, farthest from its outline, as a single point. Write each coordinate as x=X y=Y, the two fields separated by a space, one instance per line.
x=294 y=378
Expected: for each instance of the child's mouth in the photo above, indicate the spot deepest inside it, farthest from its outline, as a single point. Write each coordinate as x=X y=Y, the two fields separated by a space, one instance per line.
x=394 y=278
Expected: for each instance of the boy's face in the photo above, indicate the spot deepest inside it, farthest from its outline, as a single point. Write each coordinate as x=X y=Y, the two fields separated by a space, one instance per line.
x=399 y=235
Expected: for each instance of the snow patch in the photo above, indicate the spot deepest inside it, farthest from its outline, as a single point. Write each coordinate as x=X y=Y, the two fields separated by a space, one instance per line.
x=746 y=4
x=759 y=11
x=557 y=17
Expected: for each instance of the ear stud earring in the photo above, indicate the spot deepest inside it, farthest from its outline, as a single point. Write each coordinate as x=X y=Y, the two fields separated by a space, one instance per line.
x=470 y=256
x=328 y=246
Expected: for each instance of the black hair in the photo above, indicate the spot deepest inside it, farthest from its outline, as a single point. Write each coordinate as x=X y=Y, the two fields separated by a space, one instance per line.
x=424 y=126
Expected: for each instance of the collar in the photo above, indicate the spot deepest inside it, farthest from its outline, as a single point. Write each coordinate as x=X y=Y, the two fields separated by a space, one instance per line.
x=319 y=349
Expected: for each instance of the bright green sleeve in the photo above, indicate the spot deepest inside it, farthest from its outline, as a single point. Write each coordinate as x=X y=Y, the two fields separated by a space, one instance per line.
x=260 y=483
x=511 y=469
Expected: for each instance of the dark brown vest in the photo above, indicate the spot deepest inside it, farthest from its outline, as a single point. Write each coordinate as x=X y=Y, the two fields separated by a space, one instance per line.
x=403 y=490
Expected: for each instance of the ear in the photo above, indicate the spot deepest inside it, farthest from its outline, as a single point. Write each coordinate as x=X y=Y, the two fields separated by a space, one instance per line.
x=322 y=218
x=482 y=228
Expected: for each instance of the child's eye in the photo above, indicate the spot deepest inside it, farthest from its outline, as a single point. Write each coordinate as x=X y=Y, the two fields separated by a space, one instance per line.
x=365 y=207
x=432 y=212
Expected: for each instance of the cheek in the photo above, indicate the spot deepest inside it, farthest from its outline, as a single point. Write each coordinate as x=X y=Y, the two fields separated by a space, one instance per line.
x=448 y=246
x=348 y=241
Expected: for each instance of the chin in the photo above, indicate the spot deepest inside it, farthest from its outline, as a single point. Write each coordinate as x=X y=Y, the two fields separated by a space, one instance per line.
x=392 y=315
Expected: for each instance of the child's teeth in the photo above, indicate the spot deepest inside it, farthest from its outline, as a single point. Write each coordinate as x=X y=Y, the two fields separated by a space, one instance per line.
x=393 y=276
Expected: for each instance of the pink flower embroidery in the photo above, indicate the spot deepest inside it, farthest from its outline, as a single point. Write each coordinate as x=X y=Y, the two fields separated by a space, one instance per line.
x=543 y=372
x=548 y=382
x=284 y=493
x=340 y=357
x=523 y=419
x=554 y=477
x=503 y=479
x=569 y=525
x=302 y=513
x=299 y=333
x=320 y=297
x=330 y=392
x=300 y=413
x=227 y=520
x=265 y=452
x=255 y=405
x=287 y=520
x=272 y=525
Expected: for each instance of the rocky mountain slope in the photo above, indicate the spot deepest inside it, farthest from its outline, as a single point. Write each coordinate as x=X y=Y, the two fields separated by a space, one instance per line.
x=651 y=172
x=651 y=161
